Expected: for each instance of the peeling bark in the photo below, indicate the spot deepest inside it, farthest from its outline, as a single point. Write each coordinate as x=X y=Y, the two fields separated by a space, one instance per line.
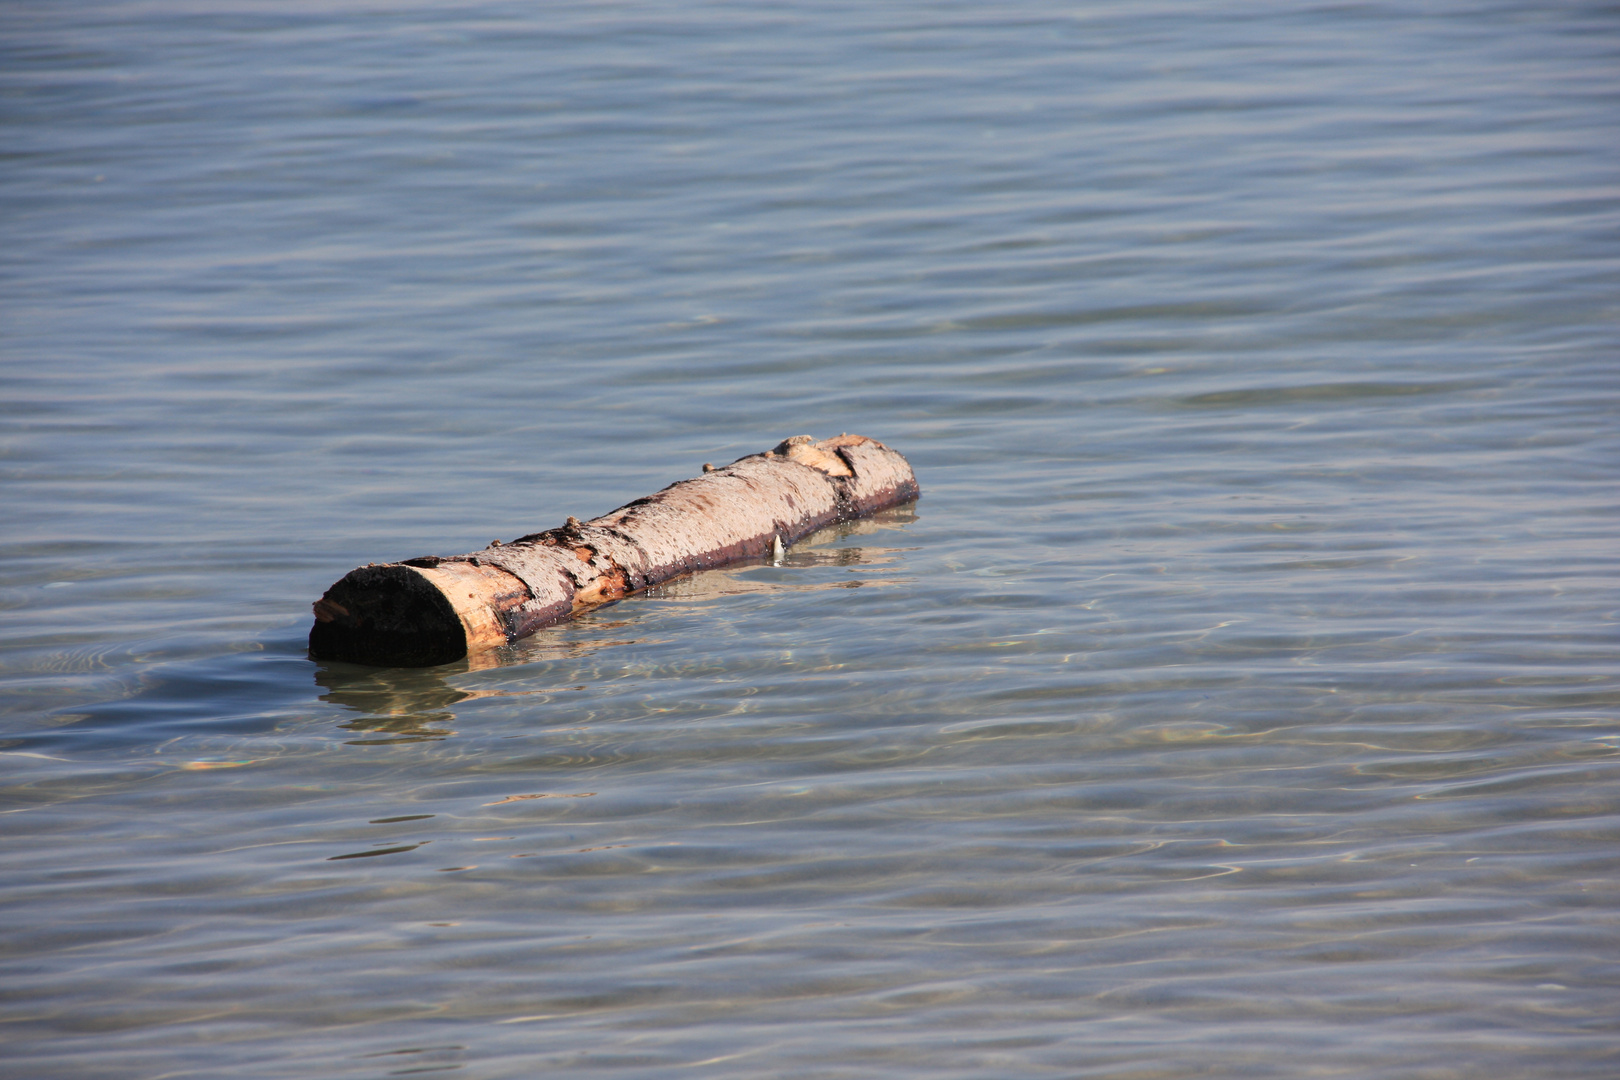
x=433 y=609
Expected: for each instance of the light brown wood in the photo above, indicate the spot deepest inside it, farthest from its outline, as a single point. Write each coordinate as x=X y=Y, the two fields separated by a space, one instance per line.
x=434 y=609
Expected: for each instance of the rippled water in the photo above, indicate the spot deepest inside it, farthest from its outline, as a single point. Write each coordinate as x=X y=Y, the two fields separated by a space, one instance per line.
x=1240 y=699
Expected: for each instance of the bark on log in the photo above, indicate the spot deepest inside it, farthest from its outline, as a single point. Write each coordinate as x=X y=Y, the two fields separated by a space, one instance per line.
x=433 y=609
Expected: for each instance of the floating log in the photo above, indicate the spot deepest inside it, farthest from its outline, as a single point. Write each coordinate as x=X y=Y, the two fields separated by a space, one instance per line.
x=437 y=609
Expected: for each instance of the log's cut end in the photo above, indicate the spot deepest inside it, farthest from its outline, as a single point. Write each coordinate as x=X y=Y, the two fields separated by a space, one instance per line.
x=437 y=609
x=387 y=616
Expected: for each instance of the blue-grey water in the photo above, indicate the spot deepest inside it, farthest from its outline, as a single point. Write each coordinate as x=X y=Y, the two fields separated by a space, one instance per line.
x=1241 y=699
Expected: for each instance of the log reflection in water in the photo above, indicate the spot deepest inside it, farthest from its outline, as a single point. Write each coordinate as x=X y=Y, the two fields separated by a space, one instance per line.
x=419 y=704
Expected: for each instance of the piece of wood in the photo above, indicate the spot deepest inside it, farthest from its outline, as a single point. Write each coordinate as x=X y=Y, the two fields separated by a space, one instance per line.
x=434 y=610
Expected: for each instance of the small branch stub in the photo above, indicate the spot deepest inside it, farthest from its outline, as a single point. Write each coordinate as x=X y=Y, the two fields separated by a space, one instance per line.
x=435 y=609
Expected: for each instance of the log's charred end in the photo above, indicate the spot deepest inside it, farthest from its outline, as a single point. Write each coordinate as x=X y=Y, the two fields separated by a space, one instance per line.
x=386 y=615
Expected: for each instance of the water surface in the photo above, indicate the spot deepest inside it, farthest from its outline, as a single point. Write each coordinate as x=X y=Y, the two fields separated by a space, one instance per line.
x=1240 y=699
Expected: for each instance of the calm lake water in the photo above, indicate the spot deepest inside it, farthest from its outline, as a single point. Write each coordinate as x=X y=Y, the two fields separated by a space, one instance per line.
x=1241 y=698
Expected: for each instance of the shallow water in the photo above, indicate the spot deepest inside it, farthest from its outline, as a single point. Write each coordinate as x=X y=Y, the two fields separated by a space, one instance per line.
x=1240 y=698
